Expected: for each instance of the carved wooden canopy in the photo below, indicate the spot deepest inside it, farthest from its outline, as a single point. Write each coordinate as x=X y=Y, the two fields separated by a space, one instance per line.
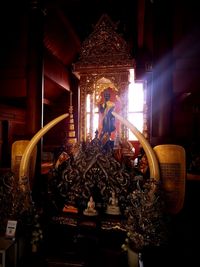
x=104 y=48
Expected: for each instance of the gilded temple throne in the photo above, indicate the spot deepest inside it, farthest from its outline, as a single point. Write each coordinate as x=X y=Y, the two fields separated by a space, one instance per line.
x=104 y=63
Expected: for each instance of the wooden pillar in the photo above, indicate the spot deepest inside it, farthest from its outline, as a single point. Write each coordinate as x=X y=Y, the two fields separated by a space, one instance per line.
x=34 y=119
x=140 y=23
x=162 y=96
x=162 y=102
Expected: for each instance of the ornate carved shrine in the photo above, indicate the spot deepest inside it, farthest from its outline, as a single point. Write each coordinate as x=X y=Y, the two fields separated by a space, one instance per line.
x=104 y=62
x=92 y=172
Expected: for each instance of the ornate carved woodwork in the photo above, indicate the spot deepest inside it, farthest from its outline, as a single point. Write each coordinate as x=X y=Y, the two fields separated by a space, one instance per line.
x=104 y=62
x=93 y=171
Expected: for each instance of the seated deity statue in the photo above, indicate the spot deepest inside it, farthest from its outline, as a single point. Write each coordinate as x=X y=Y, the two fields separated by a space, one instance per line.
x=112 y=207
x=90 y=210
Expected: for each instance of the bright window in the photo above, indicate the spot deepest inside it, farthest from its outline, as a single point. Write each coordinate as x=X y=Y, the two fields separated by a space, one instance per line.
x=88 y=115
x=135 y=105
x=91 y=114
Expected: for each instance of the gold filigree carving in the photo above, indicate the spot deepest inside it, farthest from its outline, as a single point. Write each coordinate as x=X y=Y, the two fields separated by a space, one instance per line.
x=104 y=47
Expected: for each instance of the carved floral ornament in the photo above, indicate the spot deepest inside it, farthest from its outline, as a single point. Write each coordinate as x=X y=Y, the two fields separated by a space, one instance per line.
x=91 y=82
x=104 y=53
x=104 y=47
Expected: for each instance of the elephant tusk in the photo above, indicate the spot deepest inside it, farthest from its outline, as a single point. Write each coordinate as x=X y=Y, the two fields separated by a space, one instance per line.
x=23 y=170
x=151 y=157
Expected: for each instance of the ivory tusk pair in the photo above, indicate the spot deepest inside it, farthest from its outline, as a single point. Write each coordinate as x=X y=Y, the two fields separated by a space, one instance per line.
x=151 y=157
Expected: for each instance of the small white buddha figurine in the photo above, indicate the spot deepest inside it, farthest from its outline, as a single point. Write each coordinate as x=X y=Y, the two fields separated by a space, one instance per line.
x=113 y=201
x=90 y=211
x=112 y=207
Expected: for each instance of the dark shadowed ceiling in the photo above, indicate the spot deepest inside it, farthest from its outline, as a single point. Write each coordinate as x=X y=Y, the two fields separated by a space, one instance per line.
x=84 y=14
x=81 y=16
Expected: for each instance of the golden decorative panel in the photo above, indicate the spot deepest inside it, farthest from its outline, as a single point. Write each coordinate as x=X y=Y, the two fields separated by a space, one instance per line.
x=104 y=62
